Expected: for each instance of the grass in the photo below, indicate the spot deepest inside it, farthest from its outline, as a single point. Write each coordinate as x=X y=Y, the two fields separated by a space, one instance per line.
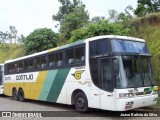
x=158 y=102
x=10 y=51
x=149 y=30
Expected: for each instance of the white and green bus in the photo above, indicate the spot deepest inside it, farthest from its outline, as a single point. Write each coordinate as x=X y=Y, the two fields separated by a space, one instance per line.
x=1 y=78
x=105 y=72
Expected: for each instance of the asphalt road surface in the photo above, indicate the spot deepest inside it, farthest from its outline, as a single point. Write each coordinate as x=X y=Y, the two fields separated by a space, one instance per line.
x=31 y=108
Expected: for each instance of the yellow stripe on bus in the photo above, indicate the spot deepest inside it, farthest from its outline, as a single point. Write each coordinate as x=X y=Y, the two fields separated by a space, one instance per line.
x=33 y=90
x=53 y=49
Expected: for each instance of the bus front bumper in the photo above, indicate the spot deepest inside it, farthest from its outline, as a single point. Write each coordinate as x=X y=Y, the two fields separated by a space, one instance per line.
x=123 y=104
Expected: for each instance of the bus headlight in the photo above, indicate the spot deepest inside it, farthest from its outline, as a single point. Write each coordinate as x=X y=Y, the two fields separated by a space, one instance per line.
x=126 y=95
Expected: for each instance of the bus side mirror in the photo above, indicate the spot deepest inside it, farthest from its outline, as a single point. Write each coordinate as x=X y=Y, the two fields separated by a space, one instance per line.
x=115 y=66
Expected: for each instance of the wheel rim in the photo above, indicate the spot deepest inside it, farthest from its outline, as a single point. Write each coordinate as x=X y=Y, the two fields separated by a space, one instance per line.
x=80 y=102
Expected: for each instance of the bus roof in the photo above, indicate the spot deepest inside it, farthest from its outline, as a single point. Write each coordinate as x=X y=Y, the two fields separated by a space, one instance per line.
x=116 y=37
x=77 y=43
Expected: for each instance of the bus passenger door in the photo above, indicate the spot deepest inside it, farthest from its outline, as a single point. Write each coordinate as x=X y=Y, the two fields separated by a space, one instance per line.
x=106 y=84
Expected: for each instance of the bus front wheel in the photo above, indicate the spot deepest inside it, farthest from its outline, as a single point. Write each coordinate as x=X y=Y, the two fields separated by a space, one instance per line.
x=21 y=95
x=81 y=102
x=15 y=94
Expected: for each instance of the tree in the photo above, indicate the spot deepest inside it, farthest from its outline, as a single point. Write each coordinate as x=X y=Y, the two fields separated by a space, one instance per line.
x=113 y=15
x=66 y=7
x=103 y=27
x=39 y=40
x=72 y=21
x=97 y=19
x=3 y=37
x=147 y=6
x=71 y=16
x=123 y=18
x=11 y=36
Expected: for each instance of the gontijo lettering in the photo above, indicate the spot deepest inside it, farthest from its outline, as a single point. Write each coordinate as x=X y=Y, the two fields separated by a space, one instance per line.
x=24 y=77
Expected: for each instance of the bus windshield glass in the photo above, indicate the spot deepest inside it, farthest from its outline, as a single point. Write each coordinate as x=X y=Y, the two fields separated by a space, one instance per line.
x=136 y=72
x=127 y=46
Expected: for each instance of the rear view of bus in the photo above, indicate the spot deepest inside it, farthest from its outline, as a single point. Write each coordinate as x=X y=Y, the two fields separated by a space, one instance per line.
x=121 y=68
x=1 y=78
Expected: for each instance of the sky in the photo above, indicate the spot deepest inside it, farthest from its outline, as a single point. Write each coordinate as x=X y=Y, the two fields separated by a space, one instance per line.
x=28 y=15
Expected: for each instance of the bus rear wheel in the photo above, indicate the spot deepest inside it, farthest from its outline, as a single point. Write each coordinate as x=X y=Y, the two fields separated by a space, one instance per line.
x=21 y=95
x=15 y=94
x=81 y=102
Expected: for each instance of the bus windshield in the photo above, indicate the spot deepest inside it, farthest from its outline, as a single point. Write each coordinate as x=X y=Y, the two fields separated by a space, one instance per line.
x=135 y=72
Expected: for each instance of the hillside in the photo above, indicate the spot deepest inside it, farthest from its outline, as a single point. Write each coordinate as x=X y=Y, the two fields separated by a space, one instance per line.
x=10 y=51
x=148 y=28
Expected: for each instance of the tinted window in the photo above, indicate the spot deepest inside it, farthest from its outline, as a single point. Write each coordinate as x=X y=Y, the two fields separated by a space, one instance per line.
x=10 y=68
x=28 y=64
x=129 y=46
x=44 y=62
x=75 y=55
x=101 y=73
x=40 y=62
x=51 y=60
x=106 y=74
x=60 y=59
x=79 y=55
x=37 y=63
x=99 y=47
x=69 y=56
x=20 y=66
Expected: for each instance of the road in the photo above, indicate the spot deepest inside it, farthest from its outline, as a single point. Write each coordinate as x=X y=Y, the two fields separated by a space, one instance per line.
x=58 y=111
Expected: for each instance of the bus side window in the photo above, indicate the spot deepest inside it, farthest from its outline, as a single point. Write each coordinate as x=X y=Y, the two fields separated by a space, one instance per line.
x=51 y=60
x=10 y=68
x=20 y=66
x=69 y=56
x=43 y=62
x=28 y=64
x=79 y=55
x=37 y=64
x=15 y=67
x=60 y=59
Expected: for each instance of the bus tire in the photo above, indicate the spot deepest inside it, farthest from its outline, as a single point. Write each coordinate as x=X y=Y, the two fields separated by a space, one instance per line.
x=81 y=102
x=21 y=95
x=15 y=94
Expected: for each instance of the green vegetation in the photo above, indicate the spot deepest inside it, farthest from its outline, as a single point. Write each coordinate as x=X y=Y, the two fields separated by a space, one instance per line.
x=102 y=27
x=39 y=40
x=158 y=102
x=146 y=7
x=148 y=29
x=10 y=51
x=71 y=16
x=74 y=24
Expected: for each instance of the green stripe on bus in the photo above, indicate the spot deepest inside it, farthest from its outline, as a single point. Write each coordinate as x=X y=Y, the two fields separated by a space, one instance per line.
x=48 y=84
x=57 y=85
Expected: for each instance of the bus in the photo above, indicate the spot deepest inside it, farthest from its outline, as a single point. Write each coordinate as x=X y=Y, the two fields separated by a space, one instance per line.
x=106 y=72
x=1 y=78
